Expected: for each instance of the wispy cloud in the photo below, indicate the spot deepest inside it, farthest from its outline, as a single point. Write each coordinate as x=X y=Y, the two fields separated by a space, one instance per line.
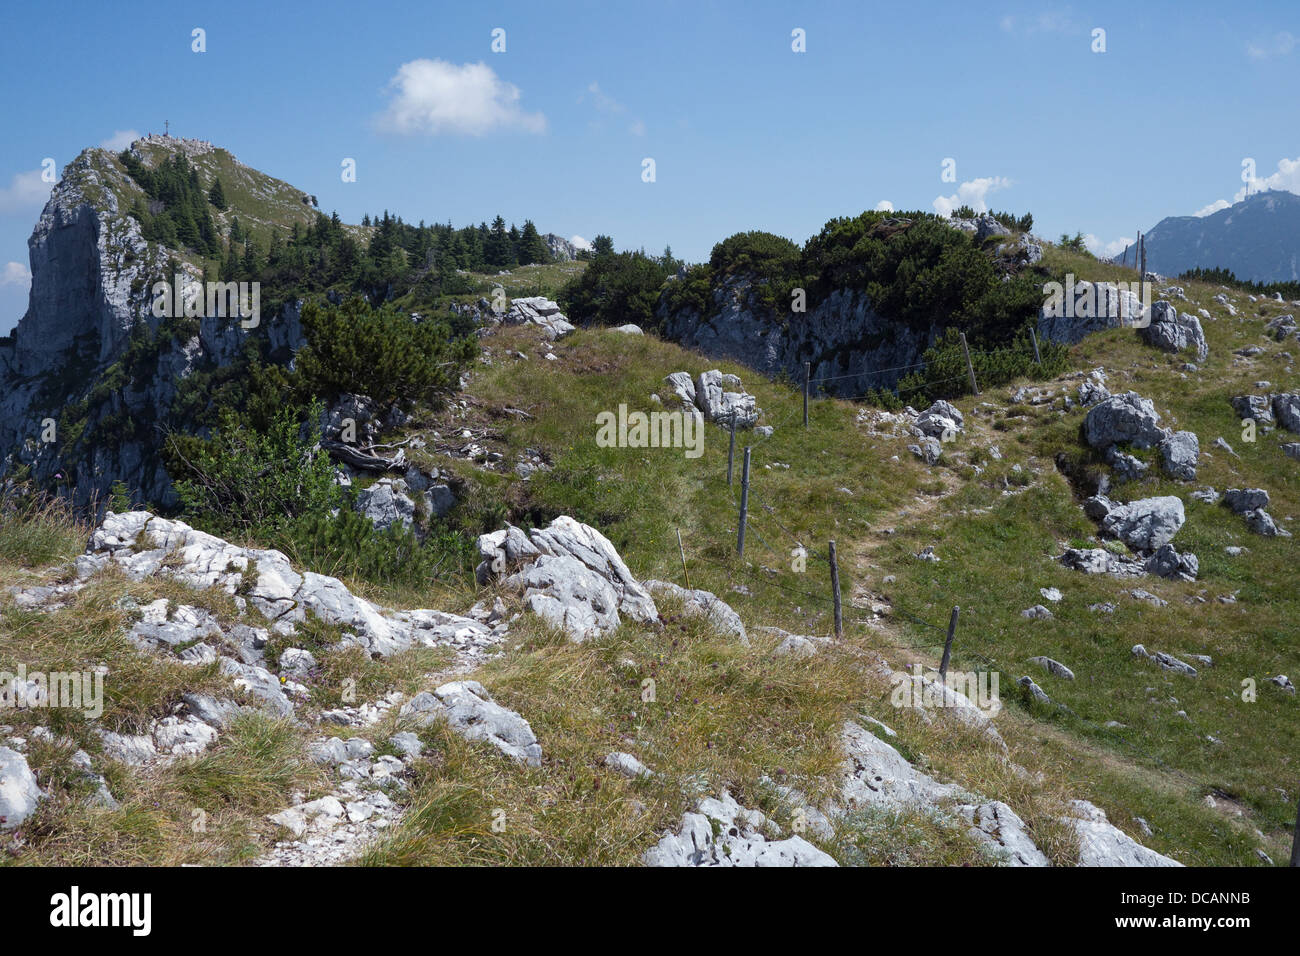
x=1279 y=44
x=120 y=139
x=15 y=273
x=1212 y=208
x=604 y=103
x=1058 y=20
x=602 y=100
x=437 y=97
x=972 y=193
x=26 y=191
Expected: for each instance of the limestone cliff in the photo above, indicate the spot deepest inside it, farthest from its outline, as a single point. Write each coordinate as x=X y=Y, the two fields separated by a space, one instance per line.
x=843 y=337
x=71 y=410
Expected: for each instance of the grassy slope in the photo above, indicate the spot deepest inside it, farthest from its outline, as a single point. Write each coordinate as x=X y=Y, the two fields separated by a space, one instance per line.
x=1158 y=765
x=725 y=715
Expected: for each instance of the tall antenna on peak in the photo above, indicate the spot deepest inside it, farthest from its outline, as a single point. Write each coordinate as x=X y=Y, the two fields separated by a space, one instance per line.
x=166 y=128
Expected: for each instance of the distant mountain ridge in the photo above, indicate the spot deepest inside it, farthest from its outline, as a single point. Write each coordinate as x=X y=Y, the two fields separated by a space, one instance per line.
x=1257 y=238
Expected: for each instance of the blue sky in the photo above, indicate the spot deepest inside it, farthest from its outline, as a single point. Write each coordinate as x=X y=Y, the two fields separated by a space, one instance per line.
x=745 y=133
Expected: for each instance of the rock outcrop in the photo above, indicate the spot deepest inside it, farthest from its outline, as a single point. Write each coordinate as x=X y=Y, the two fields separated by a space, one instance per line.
x=723 y=833
x=1171 y=331
x=1088 y=307
x=144 y=545
x=92 y=290
x=842 y=336
x=19 y=793
x=568 y=573
x=1127 y=419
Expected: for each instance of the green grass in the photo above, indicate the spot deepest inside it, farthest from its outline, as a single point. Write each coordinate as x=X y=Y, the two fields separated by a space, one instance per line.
x=728 y=716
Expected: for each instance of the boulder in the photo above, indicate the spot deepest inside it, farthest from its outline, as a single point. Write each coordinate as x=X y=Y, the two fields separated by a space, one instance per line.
x=1261 y=522
x=683 y=387
x=1286 y=408
x=1255 y=407
x=997 y=824
x=19 y=793
x=1174 y=332
x=1179 y=454
x=1103 y=844
x=725 y=407
x=472 y=713
x=1244 y=500
x=1280 y=328
x=1036 y=692
x=1091 y=393
x=1168 y=563
x=540 y=311
x=352 y=419
x=569 y=592
x=1147 y=524
x=1166 y=661
x=1123 y=419
x=723 y=833
x=626 y=765
x=941 y=420
x=929 y=450
x=1056 y=668
x=569 y=595
x=386 y=503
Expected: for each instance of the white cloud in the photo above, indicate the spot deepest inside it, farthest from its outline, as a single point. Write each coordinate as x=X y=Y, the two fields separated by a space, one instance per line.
x=1286 y=178
x=1280 y=44
x=971 y=194
x=15 y=273
x=27 y=191
x=637 y=128
x=580 y=243
x=885 y=206
x=1212 y=208
x=1103 y=249
x=434 y=96
x=120 y=139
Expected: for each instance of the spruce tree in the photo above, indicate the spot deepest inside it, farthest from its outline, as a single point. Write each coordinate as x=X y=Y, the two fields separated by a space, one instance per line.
x=532 y=247
x=217 y=194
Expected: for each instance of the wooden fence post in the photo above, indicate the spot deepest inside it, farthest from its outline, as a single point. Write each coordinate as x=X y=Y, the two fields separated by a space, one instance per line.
x=682 y=551
x=835 y=590
x=947 y=647
x=969 y=367
x=731 y=450
x=807 y=375
x=744 y=505
x=1038 y=359
x=1295 y=838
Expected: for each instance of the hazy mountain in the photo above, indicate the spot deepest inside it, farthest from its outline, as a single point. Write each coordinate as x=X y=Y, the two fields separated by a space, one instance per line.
x=1258 y=239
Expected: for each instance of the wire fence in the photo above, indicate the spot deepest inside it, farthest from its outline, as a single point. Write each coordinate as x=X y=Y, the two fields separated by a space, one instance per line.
x=973 y=634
